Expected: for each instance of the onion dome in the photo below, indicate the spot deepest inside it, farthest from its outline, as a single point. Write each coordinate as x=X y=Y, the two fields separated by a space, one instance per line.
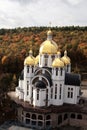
x=37 y=60
x=49 y=32
x=58 y=62
x=30 y=60
x=48 y=46
x=65 y=58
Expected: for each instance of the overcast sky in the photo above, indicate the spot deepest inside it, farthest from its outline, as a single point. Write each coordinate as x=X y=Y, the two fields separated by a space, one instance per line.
x=25 y=13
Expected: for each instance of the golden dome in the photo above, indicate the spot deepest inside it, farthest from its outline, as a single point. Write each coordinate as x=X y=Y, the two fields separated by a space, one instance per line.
x=49 y=32
x=48 y=47
x=65 y=58
x=37 y=60
x=58 y=63
x=30 y=60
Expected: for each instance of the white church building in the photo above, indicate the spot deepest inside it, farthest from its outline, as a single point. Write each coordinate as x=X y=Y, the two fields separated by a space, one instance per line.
x=47 y=79
x=46 y=84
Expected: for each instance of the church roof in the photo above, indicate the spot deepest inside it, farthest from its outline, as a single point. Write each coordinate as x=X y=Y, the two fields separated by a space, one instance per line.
x=48 y=77
x=40 y=84
x=72 y=79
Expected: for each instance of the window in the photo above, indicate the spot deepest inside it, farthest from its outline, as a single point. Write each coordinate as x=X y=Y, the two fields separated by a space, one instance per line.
x=73 y=115
x=48 y=117
x=51 y=93
x=70 y=93
x=40 y=123
x=34 y=116
x=59 y=119
x=46 y=59
x=65 y=116
x=56 y=71
x=40 y=117
x=55 y=92
x=32 y=96
x=27 y=69
x=27 y=87
x=37 y=94
x=40 y=59
x=27 y=121
x=53 y=57
x=79 y=116
x=32 y=69
x=61 y=71
x=60 y=90
x=28 y=115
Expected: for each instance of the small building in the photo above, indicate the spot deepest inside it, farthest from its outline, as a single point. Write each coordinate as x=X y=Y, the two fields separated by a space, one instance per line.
x=48 y=93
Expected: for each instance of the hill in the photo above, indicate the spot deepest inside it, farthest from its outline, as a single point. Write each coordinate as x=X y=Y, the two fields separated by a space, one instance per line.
x=15 y=45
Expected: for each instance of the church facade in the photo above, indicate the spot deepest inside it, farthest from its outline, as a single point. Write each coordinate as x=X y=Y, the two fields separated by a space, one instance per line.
x=47 y=88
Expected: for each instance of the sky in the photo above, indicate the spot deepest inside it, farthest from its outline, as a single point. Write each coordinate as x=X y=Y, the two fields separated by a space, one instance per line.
x=26 y=13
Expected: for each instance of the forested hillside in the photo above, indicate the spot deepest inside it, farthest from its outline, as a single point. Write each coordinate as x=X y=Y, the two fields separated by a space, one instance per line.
x=16 y=43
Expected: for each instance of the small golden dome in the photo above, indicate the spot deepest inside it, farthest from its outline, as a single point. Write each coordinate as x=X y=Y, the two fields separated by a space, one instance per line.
x=30 y=60
x=37 y=60
x=49 y=32
x=58 y=63
x=65 y=58
x=30 y=52
x=48 y=47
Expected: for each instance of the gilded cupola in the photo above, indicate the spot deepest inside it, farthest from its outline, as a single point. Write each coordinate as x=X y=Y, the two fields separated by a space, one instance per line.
x=65 y=58
x=30 y=60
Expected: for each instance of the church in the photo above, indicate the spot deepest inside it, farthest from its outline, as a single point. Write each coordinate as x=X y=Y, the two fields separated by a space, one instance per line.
x=47 y=88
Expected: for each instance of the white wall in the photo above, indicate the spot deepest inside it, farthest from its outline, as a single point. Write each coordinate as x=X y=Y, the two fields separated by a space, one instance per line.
x=42 y=97
x=75 y=93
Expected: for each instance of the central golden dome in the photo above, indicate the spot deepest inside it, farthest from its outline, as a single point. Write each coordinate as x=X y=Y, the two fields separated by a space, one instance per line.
x=48 y=47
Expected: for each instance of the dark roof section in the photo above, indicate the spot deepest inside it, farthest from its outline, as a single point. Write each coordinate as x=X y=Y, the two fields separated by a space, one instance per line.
x=48 y=77
x=40 y=84
x=72 y=79
x=22 y=75
x=49 y=69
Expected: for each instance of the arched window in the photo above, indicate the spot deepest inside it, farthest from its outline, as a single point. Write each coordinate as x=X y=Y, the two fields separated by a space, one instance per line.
x=27 y=69
x=56 y=71
x=28 y=115
x=46 y=59
x=61 y=71
x=33 y=116
x=59 y=119
x=79 y=116
x=48 y=117
x=37 y=94
x=40 y=117
x=55 y=92
x=73 y=115
x=65 y=116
